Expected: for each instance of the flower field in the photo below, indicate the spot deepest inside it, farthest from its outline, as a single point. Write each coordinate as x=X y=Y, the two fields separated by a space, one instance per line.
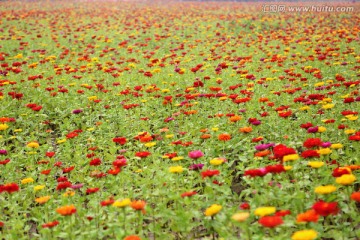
x=178 y=120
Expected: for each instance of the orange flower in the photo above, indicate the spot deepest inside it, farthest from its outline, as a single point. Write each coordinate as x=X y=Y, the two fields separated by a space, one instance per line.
x=132 y=237
x=138 y=205
x=147 y=138
x=205 y=136
x=235 y=118
x=353 y=167
x=308 y=216
x=355 y=196
x=224 y=137
x=262 y=153
x=263 y=99
x=66 y=210
x=246 y=129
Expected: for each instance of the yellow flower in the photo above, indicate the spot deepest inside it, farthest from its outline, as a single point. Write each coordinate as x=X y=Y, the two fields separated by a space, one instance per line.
x=69 y=193
x=169 y=136
x=61 y=141
x=18 y=130
x=177 y=158
x=336 y=146
x=307 y=234
x=122 y=203
x=150 y=144
x=3 y=127
x=92 y=98
x=328 y=106
x=324 y=151
x=350 y=131
x=287 y=168
x=27 y=180
x=241 y=216
x=39 y=187
x=291 y=157
x=325 y=189
x=305 y=108
x=216 y=161
x=212 y=210
x=42 y=200
x=352 y=118
x=215 y=129
x=321 y=129
x=346 y=179
x=316 y=164
x=263 y=211
x=176 y=169
x=33 y=145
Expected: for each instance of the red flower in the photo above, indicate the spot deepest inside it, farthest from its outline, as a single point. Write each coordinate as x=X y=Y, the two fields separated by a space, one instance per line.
x=245 y=206
x=188 y=194
x=275 y=168
x=1 y=224
x=282 y=213
x=10 y=188
x=50 y=154
x=69 y=169
x=107 y=202
x=309 y=154
x=312 y=142
x=306 y=125
x=271 y=221
x=62 y=179
x=92 y=190
x=119 y=140
x=142 y=154
x=46 y=172
x=71 y=135
x=210 y=173
x=95 y=162
x=325 y=208
x=50 y=224
x=63 y=185
x=256 y=172
x=338 y=172
x=114 y=171
x=119 y=162
x=281 y=150
x=5 y=161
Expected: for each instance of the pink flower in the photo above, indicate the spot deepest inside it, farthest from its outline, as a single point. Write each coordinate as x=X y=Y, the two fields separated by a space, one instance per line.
x=196 y=154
